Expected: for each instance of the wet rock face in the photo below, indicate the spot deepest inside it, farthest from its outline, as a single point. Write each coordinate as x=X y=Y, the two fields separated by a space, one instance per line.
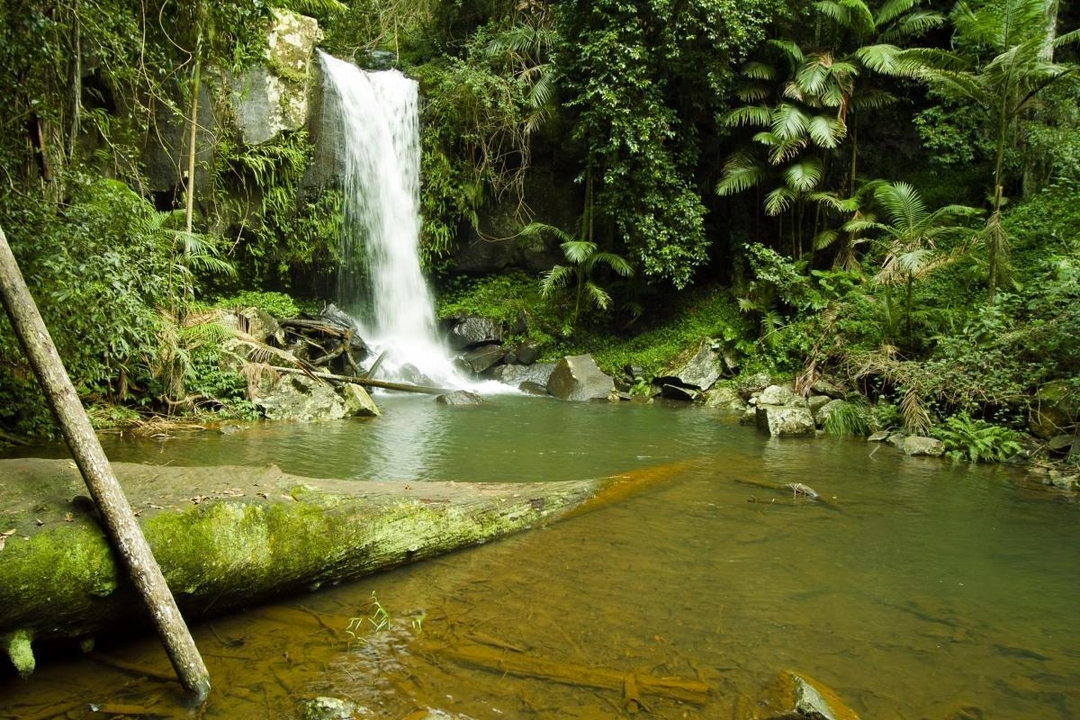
x=460 y=397
x=272 y=98
x=577 y=377
x=515 y=375
x=481 y=358
x=697 y=373
x=1054 y=409
x=918 y=445
x=471 y=331
x=785 y=421
x=299 y=399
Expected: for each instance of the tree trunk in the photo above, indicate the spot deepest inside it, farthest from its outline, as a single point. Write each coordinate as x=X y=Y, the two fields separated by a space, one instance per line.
x=123 y=530
x=233 y=536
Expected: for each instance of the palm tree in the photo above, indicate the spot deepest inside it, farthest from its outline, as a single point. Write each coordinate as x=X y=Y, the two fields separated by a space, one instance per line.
x=911 y=233
x=1017 y=36
x=584 y=257
x=817 y=99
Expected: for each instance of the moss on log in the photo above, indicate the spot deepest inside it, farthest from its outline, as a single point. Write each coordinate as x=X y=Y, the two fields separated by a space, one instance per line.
x=230 y=536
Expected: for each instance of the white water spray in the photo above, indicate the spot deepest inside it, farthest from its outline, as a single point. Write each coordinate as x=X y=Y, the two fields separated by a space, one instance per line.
x=378 y=114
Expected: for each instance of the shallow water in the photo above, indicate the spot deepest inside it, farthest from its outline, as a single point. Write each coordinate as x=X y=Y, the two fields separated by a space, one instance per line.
x=918 y=590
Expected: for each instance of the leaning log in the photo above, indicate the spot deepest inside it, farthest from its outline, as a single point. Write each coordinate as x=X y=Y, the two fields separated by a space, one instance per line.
x=119 y=521
x=227 y=537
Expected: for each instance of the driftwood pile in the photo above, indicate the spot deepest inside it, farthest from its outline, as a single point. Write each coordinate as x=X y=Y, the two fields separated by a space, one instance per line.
x=328 y=347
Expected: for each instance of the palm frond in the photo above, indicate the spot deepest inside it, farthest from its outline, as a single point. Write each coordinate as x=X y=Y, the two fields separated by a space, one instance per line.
x=759 y=71
x=779 y=200
x=804 y=176
x=597 y=295
x=537 y=229
x=555 y=278
x=616 y=262
x=740 y=173
x=578 y=251
x=748 y=115
x=825 y=131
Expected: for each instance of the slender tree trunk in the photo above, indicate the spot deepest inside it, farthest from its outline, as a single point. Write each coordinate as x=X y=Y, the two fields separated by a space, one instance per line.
x=123 y=530
x=193 y=122
x=76 y=82
x=995 y=238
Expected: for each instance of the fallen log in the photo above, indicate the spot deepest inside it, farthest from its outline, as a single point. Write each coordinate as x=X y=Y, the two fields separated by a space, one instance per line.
x=368 y=382
x=630 y=684
x=227 y=537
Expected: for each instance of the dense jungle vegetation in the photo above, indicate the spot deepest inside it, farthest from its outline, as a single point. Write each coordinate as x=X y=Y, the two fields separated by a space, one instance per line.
x=887 y=193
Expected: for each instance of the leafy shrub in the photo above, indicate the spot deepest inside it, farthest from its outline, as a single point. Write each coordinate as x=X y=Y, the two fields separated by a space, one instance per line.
x=98 y=271
x=976 y=440
x=277 y=304
x=852 y=419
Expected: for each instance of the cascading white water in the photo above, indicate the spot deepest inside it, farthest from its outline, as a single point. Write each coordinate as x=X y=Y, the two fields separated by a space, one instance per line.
x=378 y=114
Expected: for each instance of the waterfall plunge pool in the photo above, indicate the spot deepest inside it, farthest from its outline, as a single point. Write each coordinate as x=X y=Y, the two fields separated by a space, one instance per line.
x=927 y=588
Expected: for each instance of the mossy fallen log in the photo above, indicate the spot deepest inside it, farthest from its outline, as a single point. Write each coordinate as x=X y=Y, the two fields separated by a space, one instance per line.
x=232 y=536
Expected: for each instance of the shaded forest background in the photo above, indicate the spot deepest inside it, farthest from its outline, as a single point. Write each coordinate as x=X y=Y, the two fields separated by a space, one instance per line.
x=884 y=193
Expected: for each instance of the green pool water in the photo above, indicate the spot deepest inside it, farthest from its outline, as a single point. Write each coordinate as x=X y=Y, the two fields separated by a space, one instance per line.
x=919 y=590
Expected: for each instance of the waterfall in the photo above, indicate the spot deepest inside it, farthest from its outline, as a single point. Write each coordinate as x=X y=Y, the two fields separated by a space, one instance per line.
x=377 y=116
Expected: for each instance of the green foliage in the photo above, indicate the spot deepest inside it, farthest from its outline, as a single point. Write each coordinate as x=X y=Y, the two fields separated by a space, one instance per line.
x=976 y=440
x=506 y=298
x=277 y=304
x=475 y=141
x=683 y=323
x=277 y=230
x=627 y=73
x=97 y=270
x=585 y=259
x=852 y=419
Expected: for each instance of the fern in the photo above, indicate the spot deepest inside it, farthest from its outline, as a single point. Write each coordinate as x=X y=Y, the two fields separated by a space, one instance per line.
x=976 y=440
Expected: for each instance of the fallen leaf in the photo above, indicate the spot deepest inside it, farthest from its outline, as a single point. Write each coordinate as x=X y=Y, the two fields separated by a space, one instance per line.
x=68 y=517
x=39 y=522
x=4 y=536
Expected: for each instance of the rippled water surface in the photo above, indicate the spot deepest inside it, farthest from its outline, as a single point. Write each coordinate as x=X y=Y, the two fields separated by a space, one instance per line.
x=920 y=590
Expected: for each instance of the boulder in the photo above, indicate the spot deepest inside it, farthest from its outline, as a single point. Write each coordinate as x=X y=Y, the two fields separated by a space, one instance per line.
x=531 y=388
x=699 y=372
x=796 y=695
x=785 y=421
x=750 y=384
x=481 y=358
x=725 y=398
x=577 y=377
x=919 y=445
x=780 y=395
x=327 y=708
x=1054 y=409
x=358 y=402
x=515 y=375
x=471 y=331
x=252 y=321
x=460 y=397
x=816 y=402
x=821 y=415
x=272 y=97
x=679 y=392
x=526 y=352
x=300 y=399
x=822 y=386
